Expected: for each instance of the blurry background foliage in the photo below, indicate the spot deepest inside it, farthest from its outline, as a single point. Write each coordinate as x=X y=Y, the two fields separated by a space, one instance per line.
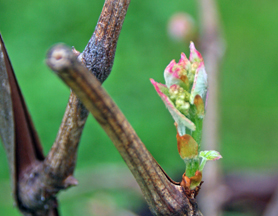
x=248 y=83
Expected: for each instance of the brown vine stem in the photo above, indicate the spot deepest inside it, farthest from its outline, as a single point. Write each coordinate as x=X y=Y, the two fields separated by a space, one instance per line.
x=98 y=56
x=163 y=195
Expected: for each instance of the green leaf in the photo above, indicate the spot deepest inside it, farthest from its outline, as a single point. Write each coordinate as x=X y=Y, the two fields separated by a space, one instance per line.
x=208 y=155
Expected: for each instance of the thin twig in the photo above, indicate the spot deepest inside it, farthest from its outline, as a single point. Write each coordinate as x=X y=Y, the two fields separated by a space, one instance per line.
x=212 y=47
x=161 y=193
x=99 y=53
x=98 y=56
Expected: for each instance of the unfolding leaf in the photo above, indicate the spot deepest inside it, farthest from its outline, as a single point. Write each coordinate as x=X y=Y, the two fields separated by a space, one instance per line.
x=195 y=56
x=175 y=73
x=187 y=146
x=208 y=155
x=200 y=83
x=180 y=119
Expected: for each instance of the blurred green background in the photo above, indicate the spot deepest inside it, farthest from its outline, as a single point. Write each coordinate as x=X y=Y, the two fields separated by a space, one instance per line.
x=248 y=85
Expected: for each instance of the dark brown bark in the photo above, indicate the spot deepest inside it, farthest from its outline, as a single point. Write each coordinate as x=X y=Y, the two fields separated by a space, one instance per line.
x=21 y=143
x=99 y=53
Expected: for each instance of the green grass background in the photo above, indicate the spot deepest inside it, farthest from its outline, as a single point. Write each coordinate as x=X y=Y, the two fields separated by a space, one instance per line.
x=248 y=82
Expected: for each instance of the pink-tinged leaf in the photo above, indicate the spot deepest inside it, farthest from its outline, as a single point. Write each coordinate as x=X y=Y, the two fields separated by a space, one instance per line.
x=174 y=73
x=195 y=56
x=200 y=83
x=160 y=88
x=184 y=62
x=169 y=69
x=171 y=74
x=187 y=146
x=179 y=118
